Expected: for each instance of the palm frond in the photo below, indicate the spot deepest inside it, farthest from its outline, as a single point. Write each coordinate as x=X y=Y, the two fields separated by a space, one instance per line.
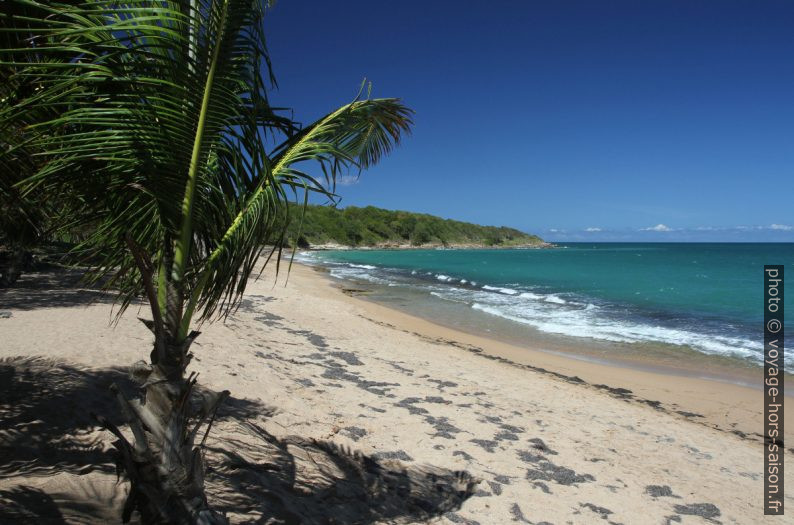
x=353 y=137
x=126 y=84
x=154 y=115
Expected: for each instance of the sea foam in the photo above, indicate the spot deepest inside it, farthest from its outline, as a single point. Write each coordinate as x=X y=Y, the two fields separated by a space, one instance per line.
x=562 y=313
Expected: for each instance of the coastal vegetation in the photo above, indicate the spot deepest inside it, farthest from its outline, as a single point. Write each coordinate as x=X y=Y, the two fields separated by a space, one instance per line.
x=153 y=117
x=376 y=227
x=26 y=218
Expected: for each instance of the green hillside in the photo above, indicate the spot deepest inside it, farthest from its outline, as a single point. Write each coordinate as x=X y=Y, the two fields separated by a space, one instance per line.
x=372 y=226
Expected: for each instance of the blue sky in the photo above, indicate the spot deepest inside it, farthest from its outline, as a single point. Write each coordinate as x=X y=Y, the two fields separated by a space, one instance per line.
x=577 y=120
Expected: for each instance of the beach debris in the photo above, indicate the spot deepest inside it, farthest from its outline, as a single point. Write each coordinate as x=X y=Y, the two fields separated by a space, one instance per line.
x=517 y=514
x=708 y=511
x=653 y=404
x=355 y=433
x=487 y=444
x=504 y=435
x=379 y=388
x=660 y=491
x=464 y=455
x=542 y=486
x=352 y=292
x=397 y=454
x=496 y=488
x=443 y=427
x=317 y=341
x=697 y=453
x=618 y=392
x=454 y=517
x=538 y=444
x=268 y=317
x=688 y=414
x=404 y=370
x=547 y=471
x=443 y=384
x=318 y=481
x=374 y=409
x=529 y=457
x=601 y=511
x=408 y=404
x=348 y=357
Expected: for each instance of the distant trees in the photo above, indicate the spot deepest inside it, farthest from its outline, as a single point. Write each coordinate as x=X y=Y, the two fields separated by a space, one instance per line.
x=369 y=226
x=422 y=234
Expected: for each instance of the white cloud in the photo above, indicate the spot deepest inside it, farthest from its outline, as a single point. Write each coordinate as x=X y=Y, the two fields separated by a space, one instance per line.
x=591 y=230
x=554 y=230
x=346 y=180
x=658 y=228
x=784 y=227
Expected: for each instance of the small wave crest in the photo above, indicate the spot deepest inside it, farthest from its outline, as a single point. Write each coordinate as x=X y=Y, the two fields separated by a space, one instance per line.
x=566 y=314
x=506 y=291
x=555 y=299
x=588 y=323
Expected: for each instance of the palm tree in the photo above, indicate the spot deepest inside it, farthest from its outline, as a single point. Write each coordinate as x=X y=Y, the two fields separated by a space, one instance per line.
x=24 y=220
x=160 y=130
x=22 y=224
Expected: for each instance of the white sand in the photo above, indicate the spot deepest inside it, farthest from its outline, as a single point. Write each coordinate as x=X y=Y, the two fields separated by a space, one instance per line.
x=356 y=374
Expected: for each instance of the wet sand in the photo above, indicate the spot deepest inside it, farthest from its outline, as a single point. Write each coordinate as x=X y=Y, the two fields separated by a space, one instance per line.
x=712 y=391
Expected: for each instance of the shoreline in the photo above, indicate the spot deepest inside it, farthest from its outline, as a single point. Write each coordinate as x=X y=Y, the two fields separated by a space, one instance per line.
x=719 y=368
x=359 y=405
x=429 y=246
x=676 y=318
x=728 y=402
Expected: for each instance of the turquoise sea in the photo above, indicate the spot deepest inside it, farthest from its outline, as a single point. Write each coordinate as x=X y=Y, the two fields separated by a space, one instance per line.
x=703 y=297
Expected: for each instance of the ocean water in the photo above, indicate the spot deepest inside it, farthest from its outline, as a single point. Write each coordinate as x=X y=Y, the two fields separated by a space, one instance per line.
x=705 y=297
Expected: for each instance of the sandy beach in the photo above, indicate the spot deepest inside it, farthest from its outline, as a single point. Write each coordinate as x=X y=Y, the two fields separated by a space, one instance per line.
x=344 y=411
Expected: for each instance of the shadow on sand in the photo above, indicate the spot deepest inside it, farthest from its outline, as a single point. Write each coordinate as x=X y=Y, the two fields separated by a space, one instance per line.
x=48 y=435
x=51 y=288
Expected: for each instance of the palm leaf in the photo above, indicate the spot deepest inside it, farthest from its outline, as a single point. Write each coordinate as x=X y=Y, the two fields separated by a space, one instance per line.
x=158 y=121
x=146 y=116
x=152 y=118
x=354 y=136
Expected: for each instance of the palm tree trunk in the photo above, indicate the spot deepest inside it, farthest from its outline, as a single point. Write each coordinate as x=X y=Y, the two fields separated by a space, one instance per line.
x=163 y=463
